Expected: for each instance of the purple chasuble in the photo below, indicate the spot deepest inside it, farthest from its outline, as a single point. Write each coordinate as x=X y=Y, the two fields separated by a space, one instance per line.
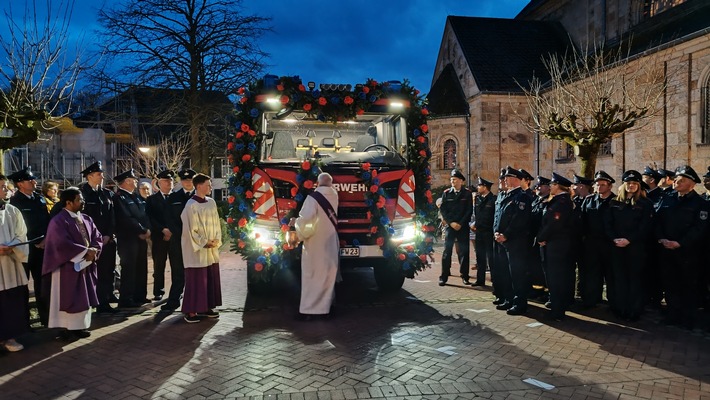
x=63 y=242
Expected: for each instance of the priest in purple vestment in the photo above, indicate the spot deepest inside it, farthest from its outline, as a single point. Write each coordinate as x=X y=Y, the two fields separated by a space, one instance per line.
x=72 y=245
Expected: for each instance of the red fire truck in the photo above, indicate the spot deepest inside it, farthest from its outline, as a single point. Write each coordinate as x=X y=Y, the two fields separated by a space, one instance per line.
x=372 y=138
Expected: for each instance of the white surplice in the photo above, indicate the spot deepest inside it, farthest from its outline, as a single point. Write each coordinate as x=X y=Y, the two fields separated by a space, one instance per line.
x=321 y=250
x=12 y=231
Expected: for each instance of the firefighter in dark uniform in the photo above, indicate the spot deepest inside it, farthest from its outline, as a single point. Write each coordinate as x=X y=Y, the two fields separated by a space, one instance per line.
x=176 y=203
x=156 y=206
x=526 y=184
x=651 y=177
x=627 y=224
x=666 y=182
x=99 y=206
x=500 y=272
x=132 y=232
x=511 y=229
x=483 y=211
x=597 y=247
x=34 y=212
x=652 y=276
x=681 y=232
x=537 y=274
x=456 y=209
x=556 y=238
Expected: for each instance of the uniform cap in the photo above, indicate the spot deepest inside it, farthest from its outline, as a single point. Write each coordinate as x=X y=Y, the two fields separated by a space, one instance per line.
x=631 y=176
x=166 y=174
x=95 y=167
x=603 y=176
x=541 y=180
x=648 y=171
x=688 y=172
x=125 y=175
x=526 y=175
x=483 y=182
x=560 y=180
x=664 y=173
x=580 y=180
x=510 y=171
x=24 y=174
x=457 y=174
x=187 y=173
x=502 y=174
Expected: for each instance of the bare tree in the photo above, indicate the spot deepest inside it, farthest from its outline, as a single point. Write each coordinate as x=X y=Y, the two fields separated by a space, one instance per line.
x=197 y=46
x=38 y=69
x=169 y=153
x=593 y=95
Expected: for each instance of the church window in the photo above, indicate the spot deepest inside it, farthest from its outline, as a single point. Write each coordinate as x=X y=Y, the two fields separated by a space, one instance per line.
x=705 y=111
x=449 y=158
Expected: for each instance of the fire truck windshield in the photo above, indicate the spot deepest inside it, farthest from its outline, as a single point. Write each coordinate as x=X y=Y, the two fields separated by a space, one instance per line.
x=299 y=137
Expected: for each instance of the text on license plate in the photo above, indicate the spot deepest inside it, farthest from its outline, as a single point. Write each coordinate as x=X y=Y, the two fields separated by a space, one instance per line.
x=350 y=252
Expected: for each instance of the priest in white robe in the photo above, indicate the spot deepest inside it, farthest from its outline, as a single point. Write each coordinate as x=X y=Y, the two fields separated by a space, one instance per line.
x=201 y=239
x=72 y=245
x=14 y=294
x=316 y=226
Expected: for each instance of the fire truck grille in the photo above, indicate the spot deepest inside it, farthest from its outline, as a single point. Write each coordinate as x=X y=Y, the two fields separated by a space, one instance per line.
x=352 y=213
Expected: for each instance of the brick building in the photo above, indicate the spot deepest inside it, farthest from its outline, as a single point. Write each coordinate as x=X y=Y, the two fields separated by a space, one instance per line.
x=475 y=91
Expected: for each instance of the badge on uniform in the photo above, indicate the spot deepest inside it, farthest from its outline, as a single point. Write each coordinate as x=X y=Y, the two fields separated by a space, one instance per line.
x=521 y=205
x=703 y=215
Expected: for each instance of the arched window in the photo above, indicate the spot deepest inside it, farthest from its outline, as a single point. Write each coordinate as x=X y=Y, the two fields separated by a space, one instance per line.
x=449 y=154
x=705 y=111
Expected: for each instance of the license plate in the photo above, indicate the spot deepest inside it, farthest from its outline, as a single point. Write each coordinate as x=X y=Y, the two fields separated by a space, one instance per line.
x=350 y=252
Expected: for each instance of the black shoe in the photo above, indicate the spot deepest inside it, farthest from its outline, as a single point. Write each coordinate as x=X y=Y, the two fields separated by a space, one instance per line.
x=142 y=301
x=506 y=305
x=442 y=281
x=191 y=319
x=498 y=301
x=465 y=281
x=169 y=307
x=158 y=297
x=553 y=316
x=209 y=314
x=304 y=317
x=482 y=284
x=106 y=308
x=81 y=333
x=516 y=310
x=548 y=304
x=113 y=299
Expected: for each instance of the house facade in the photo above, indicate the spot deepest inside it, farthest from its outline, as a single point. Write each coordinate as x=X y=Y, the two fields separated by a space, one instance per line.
x=477 y=102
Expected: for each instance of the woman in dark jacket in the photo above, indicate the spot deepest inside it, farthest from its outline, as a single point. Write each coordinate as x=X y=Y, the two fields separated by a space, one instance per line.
x=627 y=224
x=556 y=237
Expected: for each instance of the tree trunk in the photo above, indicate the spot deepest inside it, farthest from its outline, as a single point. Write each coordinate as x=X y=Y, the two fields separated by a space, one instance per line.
x=588 y=156
x=2 y=161
x=199 y=151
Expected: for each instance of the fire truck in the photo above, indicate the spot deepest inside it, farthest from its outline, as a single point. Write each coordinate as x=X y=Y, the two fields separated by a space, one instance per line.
x=372 y=138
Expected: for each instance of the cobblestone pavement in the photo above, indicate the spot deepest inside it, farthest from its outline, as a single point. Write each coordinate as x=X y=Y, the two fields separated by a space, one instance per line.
x=424 y=341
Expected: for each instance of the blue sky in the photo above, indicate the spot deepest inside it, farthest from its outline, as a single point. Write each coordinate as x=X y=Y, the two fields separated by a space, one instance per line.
x=341 y=41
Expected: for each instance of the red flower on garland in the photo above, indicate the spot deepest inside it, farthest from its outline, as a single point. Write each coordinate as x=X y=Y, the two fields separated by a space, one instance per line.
x=365 y=89
x=422 y=257
x=242 y=222
x=230 y=199
x=381 y=202
x=308 y=184
x=301 y=88
x=306 y=165
x=284 y=99
x=280 y=87
x=239 y=135
x=373 y=83
x=369 y=215
x=374 y=173
x=230 y=146
x=284 y=228
x=424 y=128
x=258 y=267
x=374 y=188
x=422 y=153
x=380 y=241
x=322 y=101
x=401 y=256
x=252 y=133
x=294 y=191
x=307 y=107
x=249 y=194
x=240 y=90
x=366 y=166
x=243 y=100
x=246 y=157
x=245 y=128
x=230 y=220
x=425 y=111
x=235 y=169
x=348 y=100
x=421 y=139
x=360 y=111
x=373 y=229
x=241 y=244
x=410 y=248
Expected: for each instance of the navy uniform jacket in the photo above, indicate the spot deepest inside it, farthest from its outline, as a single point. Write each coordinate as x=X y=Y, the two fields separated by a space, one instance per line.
x=157 y=209
x=131 y=219
x=558 y=220
x=633 y=222
x=484 y=211
x=683 y=219
x=34 y=212
x=98 y=204
x=512 y=218
x=538 y=208
x=593 y=210
x=176 y=203
x=655 y=195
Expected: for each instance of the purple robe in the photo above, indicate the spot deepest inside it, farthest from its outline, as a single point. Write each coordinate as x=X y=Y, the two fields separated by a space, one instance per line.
x=64 y=242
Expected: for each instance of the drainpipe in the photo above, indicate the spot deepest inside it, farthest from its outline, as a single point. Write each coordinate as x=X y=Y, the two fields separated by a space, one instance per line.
x=467 y=118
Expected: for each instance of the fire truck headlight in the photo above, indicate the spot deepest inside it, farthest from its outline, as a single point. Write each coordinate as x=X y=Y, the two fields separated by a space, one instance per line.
x=409 y=232
x=262 y=235
x=404 y=233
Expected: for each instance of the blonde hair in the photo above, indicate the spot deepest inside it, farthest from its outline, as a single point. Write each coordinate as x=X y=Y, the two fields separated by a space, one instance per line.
x=625 y=197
